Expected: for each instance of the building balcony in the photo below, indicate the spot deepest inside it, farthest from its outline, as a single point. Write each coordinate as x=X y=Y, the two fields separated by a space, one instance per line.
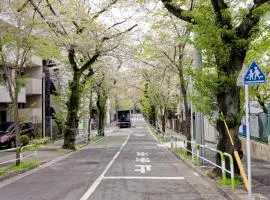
x=33 y=115
x=5 y=98
x=34 y=61
x=34 y=86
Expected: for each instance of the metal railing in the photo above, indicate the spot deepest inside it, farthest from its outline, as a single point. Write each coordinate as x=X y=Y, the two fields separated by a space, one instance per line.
x=22 y=156
x=197 y=154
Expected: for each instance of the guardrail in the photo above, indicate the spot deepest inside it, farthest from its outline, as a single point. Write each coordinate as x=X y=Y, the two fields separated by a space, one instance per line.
x=157 y=131
x=22 y=157
x=196 y=153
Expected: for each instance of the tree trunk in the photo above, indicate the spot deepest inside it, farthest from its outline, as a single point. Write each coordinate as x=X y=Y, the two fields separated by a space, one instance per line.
x=152 y=117
x=90 y=106
x=183 y=88
x=17 y=129
x=163 y=123
x=72 y=119
x=101 y=104
x=101 y=119
x=229 y=104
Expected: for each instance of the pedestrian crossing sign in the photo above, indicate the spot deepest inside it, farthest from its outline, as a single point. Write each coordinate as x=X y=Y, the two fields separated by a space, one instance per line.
x=254 y=75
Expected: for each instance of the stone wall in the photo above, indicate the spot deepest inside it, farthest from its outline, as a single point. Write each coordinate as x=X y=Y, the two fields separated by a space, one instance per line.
x=258 y=150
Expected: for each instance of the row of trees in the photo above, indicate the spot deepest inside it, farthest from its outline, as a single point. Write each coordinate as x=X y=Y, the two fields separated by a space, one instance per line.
x=229 y=35
x=70 y=32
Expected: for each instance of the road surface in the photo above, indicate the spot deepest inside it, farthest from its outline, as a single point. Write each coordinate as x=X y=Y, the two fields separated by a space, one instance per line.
x=128 y=164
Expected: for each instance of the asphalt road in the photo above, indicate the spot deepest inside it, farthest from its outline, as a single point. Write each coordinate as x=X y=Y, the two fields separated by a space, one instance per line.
x=128 y=164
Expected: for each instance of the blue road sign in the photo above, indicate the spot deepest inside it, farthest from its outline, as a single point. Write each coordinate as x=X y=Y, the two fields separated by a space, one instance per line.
x=254 y=75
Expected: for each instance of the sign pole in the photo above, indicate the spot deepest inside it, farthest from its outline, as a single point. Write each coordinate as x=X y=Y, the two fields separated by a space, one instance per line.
x=252 y=76
x=248 y=141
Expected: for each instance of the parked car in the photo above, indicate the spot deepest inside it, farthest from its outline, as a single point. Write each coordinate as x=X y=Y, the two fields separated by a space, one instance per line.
x=8 y=135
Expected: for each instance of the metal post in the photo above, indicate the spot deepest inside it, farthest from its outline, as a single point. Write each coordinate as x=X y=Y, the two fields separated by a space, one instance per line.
x=248 y=142
x=200 y=137
x=43 y=104
x=51 y=131
x=191 y=121
x=223 y=166
x=232 y=170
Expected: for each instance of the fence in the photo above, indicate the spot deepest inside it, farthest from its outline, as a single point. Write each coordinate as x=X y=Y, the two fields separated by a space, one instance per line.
x=196 y=153
x=22 y=155
x=259 y=127
x=197 y=148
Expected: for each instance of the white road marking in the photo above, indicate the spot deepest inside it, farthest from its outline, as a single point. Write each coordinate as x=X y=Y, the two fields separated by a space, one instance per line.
x=145 y=177
x=167 y=144
x=143 y=168
x=94 y=186
x=196 y=174
x=142 y=154
x=143 y=160
x=140 y=135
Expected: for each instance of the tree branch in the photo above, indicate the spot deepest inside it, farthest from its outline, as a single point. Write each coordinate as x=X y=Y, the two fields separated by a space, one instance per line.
x=54 y=13
x=71 y=58
x=90 y=62
x=244 y=30
x=118 y=34
x=51 y=25
x=104 y=9
x=168 y=57
x=116 y=24
x=219 y=6
x=177 y=11
x=23 y=6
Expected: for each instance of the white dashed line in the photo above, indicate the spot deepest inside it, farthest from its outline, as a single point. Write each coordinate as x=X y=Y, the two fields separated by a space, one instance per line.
x=94 y=186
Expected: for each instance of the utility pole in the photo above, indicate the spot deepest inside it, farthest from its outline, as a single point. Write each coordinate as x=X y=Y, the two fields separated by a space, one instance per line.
x=46 y=98
x=199 y=123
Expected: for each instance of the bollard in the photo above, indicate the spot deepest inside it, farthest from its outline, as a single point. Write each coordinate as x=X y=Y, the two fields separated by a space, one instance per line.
x=171 y=142
x=192 y=150
x=185 y=145
x=198 y=153
x=223 y=166
x=232 y=170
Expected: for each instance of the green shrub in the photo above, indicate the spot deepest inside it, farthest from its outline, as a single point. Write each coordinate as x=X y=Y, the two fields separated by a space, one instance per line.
x=41 y=141
x=24 y=140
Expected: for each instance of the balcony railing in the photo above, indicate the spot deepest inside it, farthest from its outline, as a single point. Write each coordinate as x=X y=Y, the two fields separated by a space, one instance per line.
x=33 y=115
x=5 y=98
x=34 y=86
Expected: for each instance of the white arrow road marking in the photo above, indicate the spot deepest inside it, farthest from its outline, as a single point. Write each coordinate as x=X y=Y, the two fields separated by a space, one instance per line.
x=143 y=160
x=142 y=154
x=143 y=168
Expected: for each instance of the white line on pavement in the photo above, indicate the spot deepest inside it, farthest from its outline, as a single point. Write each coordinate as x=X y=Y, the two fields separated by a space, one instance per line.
x=94 y=186
x=195 y=173
x=144 y=177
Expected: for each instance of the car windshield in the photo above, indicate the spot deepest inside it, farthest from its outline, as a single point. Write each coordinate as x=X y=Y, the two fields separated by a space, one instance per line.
x=5 y=126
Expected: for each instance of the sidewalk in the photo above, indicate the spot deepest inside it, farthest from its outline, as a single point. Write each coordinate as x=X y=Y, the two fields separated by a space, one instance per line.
x=51 y=151
x=260 y=172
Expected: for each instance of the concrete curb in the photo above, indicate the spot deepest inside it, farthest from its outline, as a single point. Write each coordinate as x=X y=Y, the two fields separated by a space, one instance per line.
x=13 y=177
x=226 y=192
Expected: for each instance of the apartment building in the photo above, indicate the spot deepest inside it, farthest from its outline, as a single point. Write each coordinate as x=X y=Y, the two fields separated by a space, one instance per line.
x=30 y=96
x=31 y=110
